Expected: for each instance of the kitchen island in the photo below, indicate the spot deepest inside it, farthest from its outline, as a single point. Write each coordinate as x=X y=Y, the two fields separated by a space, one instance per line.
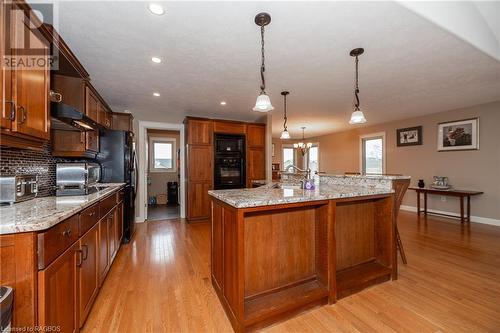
x=278 y=250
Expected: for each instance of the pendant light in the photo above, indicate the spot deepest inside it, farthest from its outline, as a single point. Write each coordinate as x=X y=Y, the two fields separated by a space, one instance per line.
x=263 y=103
x=357 y=116
x=303 y=147
x=285 y=135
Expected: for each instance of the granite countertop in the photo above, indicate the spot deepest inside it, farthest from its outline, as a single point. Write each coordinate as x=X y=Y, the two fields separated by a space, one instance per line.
x=42 y=213
x=267 y=195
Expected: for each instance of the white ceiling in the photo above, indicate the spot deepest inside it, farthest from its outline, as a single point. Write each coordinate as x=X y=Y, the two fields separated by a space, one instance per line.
x=210 y=52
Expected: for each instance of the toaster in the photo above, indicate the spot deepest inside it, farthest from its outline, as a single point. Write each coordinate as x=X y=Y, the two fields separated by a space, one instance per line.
x=77 y=178
x=18 y=188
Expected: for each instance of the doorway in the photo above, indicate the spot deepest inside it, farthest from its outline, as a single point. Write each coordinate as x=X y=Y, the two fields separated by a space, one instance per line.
x=163 y=174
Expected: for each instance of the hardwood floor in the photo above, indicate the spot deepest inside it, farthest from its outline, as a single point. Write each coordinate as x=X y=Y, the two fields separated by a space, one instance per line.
x=161 y=283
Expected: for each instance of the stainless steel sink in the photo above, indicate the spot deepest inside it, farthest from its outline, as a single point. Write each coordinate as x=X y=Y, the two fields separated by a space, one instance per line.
x=287 y=186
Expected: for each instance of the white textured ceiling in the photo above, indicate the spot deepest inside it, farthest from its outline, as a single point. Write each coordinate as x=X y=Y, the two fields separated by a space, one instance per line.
x=210 y=52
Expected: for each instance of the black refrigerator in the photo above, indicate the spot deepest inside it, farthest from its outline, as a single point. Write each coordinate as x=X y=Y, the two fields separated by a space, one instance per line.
x=119 y=165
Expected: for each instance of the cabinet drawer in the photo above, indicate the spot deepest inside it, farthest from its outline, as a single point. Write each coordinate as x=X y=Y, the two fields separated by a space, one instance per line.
x=106 y=205
x=88 y=218
x=56 y=240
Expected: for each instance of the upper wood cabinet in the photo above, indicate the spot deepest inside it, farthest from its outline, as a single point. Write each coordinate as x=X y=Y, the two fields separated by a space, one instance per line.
x=58 y=292
x=256 y=135
x=75 y=143
x=229 y=127
x=122 y=121
x=200 y=163
x=25 y=91
x=92 y=104
x=199 y=131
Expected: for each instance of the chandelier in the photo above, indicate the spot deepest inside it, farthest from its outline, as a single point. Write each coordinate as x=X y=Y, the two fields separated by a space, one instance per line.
x=303 y=147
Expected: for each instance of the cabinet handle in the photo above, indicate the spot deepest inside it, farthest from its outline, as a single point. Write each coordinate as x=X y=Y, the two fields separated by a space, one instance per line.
x=24 y=115
x=67 y=233
x=80 y=258
x=12 y=113
x=86 y=253
x=55 y=96
x=92 y=213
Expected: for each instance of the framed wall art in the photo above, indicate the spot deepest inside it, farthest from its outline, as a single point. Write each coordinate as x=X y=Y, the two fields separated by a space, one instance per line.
x=458 y=135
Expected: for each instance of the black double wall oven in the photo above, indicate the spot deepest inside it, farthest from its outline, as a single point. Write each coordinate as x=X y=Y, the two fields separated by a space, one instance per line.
x=229 y=166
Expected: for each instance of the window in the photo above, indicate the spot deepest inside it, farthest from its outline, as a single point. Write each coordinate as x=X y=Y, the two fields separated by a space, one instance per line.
x=288 y=157
x=162 y=155
x=373 y=154
x=313 y=159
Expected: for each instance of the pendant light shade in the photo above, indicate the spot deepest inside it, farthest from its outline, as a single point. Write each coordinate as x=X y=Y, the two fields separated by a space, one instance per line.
x=284 y=135
x=357 y=116
x=263 y=103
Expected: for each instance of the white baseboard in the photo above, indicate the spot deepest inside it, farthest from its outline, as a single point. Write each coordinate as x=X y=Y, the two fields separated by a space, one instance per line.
x=476 y=219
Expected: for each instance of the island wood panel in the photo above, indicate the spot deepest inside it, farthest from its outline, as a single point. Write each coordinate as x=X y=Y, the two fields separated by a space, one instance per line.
x=18 y=260
x=354 y=233
x=217 y=245
x=279 y=249
x=325 y=237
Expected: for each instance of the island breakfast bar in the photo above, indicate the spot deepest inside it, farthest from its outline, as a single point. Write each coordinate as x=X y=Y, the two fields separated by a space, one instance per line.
x=278 y=250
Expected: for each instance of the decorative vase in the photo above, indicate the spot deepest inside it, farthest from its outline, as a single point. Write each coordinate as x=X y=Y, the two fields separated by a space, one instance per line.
x=421 y=183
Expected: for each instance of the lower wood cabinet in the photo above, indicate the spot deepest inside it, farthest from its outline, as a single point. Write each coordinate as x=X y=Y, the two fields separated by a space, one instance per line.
x=198 y=206
x=103 y=249
x=87 y=272
x=256 y=165
x=58 y=292
x=112 y=247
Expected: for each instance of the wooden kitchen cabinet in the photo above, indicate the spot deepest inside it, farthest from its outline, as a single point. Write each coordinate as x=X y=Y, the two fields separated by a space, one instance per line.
x=25 y=121
x=199 y=168
x=121 y=121
x=112 y=235
x=199 y=131
x=256 y=136
x=87 y=271
x=256 y=164
x=91 y=104
x=119 y=224
x=75 y=143
x=58 y=292
x=199 y=201
x=104 y=116
x=103 y=250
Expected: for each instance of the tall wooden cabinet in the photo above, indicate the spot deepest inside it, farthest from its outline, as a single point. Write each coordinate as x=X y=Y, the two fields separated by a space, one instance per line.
x=200 y=159
x=25 y=91
x=199 y=167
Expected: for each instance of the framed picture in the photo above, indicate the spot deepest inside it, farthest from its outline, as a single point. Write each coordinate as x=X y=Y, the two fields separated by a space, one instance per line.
x=458 y=135
x=411 y=136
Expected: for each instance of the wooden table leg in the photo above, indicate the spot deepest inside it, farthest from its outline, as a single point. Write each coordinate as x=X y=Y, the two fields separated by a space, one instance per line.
x=425 y=203
x=462 y=219
x=418 y=203
x=468 y=208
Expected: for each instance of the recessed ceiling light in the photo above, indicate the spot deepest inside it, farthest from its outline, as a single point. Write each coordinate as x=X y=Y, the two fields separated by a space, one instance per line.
x=156 y=9
x=223 y=103
x=156 y=60
x=156 y=94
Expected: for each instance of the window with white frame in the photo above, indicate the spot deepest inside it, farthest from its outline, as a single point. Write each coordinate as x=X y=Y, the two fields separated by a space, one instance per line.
x=373 y=153
x=312 y=159
x=162 y=154
x=288 y=156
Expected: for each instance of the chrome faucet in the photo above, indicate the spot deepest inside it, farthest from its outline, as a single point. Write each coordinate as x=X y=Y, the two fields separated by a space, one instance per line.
x=307 y=171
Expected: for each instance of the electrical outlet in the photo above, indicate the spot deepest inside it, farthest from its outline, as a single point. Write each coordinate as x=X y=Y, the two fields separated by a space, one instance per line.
x=443 y=198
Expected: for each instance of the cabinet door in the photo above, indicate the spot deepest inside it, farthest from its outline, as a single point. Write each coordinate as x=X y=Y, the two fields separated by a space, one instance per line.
x=92 y=141
x=103 y=249
x=199 y=202
x=8 y=110
x=111 y=236
x=199 y=132
x=101 y=114
x=88 y=285
x=200 y=163
x=58 y=292
x=256 y=164
x=256 y=135
x=108 y=122
x=31 y=85
x=119 y=224
x=91 y=104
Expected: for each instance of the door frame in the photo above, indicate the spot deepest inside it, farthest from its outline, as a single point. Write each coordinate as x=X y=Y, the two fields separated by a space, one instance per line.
x=142 y=148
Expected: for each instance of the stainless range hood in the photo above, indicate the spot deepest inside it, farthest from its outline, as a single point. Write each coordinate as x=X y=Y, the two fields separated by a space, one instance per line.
x=67 y=117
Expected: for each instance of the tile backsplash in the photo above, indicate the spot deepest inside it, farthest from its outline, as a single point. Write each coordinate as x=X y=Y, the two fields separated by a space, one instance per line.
x=14 y=161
